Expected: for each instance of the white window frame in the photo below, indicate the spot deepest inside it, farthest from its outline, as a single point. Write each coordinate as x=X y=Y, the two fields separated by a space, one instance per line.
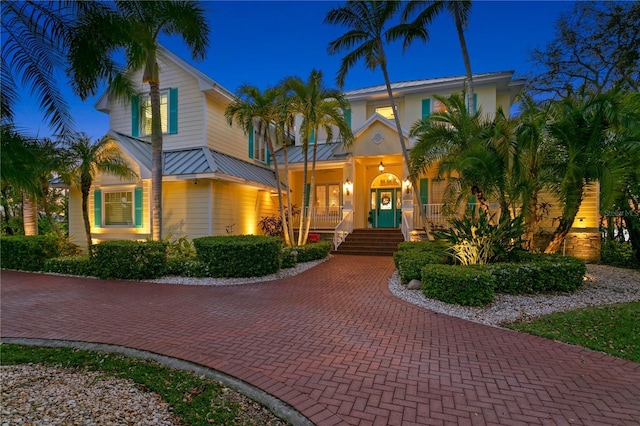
x=118 y=190
x=259 y=146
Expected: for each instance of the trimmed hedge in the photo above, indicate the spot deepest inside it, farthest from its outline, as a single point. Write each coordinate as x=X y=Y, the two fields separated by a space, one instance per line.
x=239 y=256
x=538 y=273
x=186 y=267
x=72 y=265
x=27 y=253
x=461 y=285
x=315 y=251
x=411 y=257
x=129 y=260
x=618 y=253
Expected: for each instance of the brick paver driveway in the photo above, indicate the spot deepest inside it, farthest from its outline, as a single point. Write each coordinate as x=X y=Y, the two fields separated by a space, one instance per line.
x=336 y=345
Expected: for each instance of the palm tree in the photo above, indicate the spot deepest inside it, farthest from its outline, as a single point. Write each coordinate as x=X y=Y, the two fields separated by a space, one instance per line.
x=134 y=27
x=320 y=108
x=35 y=36
x=585 y=126
x=429 y=9
x=88 y=159
x=367 y=22
x=480 y=152
x=250 y=107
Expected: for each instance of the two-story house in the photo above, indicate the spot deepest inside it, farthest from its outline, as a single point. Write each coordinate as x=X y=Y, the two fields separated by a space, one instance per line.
x=218 y=181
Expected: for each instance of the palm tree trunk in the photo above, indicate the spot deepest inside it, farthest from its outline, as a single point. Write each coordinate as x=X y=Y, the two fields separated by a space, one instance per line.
x=85 y=213
x=278 y=185
x=156 y=162
x=29 y=214
x=482 y=201
x=289 y=217
x=305 y=208
x=572 y=205
x=531 y=220
x=307 y=225
x=467 y=63
x=405 y=152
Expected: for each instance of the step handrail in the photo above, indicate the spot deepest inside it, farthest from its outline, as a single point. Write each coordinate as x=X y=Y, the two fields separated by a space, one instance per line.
x=342 y=230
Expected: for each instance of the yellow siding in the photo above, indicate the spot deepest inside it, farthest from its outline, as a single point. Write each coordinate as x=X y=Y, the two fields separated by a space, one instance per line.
x=365 y=146
x=185 y=209
x=239 y=207
x=589 y=210
x=222 y=137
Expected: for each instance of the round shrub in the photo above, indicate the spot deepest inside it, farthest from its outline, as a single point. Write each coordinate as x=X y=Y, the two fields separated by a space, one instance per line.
x=70 y=265
x=235 y=256
x=462 y=285
x=129 y=260
x=27 y=253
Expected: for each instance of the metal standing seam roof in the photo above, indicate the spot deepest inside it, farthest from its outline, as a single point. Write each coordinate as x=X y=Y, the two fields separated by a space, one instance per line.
x=325 y=152
x=196 y=161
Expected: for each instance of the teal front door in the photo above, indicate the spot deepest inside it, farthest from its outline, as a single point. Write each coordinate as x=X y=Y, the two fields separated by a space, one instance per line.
x=385 y=208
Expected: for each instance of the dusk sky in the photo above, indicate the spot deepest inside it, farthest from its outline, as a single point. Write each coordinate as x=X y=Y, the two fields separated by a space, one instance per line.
x=261 y=42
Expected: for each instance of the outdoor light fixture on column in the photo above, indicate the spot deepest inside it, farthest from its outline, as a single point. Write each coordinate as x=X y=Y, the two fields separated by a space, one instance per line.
x=381 y=167
x=348 y=187
x=407 y=185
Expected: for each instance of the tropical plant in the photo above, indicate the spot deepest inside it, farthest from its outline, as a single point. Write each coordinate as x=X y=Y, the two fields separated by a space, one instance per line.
x=34 y=40
x=253 y=107
x=589 y=130
x=107 y=29
x=368 y=25
x=320 y=108
x=427 y=10
x=475 y=240
x=87 y=160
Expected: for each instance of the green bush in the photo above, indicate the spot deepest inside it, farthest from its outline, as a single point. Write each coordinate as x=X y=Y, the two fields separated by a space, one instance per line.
x=462 y=285
x=239 y=256
x=27 y=253
x=289 y=257
x=71 y=265
x=618 y=253
x=314 y=251
x=538 y=273
x=129 y=260
x=186 y=267
x=412 y=256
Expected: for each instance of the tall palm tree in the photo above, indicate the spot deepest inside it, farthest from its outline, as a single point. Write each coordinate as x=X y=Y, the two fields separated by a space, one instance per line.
x=251 y=107
x=368 y=23
x=320 y=108
x=87 y=160
x=584 y=126
x=134 y=27
x=35 y=37
x=427 y=11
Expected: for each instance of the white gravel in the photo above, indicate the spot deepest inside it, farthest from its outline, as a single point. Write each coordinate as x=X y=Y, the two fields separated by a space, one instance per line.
x=33 y=394
x=604 y=285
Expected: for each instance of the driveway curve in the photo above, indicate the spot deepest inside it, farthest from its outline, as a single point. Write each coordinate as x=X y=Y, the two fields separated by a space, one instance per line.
x=336 y=345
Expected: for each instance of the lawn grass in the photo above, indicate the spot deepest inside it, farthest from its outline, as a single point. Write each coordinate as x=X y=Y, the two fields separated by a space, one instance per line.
x=196 y=400
x=612 y=329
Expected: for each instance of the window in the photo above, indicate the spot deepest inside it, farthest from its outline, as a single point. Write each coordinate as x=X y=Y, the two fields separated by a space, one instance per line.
x=118 y=208
x=328 y=198
x=386 y=112
x=258 y=146
x=141 y=113
x=145 y=113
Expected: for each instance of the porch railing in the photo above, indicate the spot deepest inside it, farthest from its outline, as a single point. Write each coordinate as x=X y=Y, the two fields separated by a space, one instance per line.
x=406 y=233
x=342 y=230
x=323 y=216
x=437 y=219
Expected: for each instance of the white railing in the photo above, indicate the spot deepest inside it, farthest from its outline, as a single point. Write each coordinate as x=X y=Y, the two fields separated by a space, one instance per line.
x=324 y=216
x=436 y=217
x=406 y=229
x=344 y=228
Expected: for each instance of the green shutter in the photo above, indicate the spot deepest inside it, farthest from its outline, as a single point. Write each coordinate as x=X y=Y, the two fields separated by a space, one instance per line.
x=475 y=103
x=251 y=142
x=424 y=191
x=268 y=155
x=137 y=203
x=135 y=116
x=347 y=116
x=312 y=139
x=97 y=209
x=173 y=111
x=426 y=108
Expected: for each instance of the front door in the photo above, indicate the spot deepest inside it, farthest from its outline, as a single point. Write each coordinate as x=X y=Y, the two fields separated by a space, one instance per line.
x=386 y=208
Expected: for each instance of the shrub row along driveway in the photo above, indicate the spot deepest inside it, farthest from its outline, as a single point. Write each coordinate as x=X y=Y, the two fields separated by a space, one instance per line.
x=337 y=346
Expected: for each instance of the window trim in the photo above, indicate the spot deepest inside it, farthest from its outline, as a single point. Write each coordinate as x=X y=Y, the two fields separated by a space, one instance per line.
x=136 y=206
x=172 y=112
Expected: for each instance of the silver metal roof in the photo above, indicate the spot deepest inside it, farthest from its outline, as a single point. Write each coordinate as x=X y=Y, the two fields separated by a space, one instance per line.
x=325 y=152
x=197 y=161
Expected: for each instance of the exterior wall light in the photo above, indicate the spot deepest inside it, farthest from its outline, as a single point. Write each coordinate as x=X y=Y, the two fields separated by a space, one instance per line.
x=406 y=183
x=348 y=187
x=381 y=167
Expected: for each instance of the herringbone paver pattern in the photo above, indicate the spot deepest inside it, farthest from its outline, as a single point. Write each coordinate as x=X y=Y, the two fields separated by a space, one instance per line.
x=336 y=345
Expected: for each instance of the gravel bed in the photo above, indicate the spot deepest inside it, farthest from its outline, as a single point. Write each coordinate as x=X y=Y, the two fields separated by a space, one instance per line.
x=33 y=394
x=604 y=285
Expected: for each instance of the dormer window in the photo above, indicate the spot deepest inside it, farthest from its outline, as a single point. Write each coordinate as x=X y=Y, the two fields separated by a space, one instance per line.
x=141 y=113
x=145 y=113
x=386 y=112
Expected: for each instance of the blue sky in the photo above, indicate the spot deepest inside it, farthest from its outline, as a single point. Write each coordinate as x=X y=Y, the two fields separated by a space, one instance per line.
x=261 y=42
